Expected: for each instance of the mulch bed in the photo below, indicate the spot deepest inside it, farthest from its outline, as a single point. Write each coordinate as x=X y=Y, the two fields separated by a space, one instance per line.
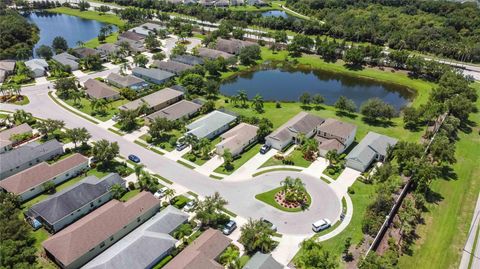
x=280 y=199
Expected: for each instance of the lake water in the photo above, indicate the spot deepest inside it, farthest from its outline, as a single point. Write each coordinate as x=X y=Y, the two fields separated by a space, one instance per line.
x=275 y=13
x=287 y=84
x=72 y=28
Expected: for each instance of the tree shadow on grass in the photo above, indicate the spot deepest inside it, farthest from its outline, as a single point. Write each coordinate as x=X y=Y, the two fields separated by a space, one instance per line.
x=353 y=67
x=378 y=122
x=306 y=107
x=345 y=114
x=447 y=173
x=433 y=197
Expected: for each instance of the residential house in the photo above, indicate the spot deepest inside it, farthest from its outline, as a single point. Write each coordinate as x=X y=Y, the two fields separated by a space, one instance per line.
x=128 y=81
x=7 y=67
x=29 y=183
x=188 y=59
x=211 y=125
x=72 y=203
x=134 y=40
x=213 y=54
x=155 y=101
x=98 y=90
x=145 y=246
x=183 y=109
x=171 y=66
x=335 y=135
x=28 y=155
x=38 y=67
x=148 y=28
x=207 y=3
x=152 y=75
x=7 y=137
x=67 y=60
x=83 y=52
x=262 y=261
x=373 y=148
x=237 y=2
x=108 y=49
x=303 y=123
x=232 y=46
x=202 y=252
x=256 y=3
x=80 y=242
x=237 y=139
x=222 y=3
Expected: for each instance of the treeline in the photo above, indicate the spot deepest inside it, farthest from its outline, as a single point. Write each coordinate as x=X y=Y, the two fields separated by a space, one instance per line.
x=454 y=97
x=18 y=35
x=444 y=28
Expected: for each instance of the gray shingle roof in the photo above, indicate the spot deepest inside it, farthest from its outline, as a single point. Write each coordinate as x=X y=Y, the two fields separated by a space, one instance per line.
x=153 y=99
x=66 y=59
x=97 y=89
x=124 y=81
x=152 y=73
x=27 y=153
x=76 y=196
x=171 y=66
x=209 y=123
x=262 y=261
x=370 y=145
x=213 y=54
x=303 y=122
x=144 y=245
x=188 y=59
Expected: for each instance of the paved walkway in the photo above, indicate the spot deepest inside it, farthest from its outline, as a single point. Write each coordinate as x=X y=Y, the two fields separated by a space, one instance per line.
x=468 y=250
x=317 y=167
x=212 y=164
x=345 y=180
x=249 y=168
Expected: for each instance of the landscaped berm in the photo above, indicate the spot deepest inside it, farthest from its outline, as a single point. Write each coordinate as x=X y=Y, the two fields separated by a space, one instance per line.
x=290 y=197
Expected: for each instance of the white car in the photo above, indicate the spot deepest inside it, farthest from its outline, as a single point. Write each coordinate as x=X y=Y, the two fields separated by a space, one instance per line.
x=321 y=225
x=160 y=193
x=189 y=206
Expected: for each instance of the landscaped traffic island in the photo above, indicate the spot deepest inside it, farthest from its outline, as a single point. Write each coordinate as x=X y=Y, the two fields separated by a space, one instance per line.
x=290 y=197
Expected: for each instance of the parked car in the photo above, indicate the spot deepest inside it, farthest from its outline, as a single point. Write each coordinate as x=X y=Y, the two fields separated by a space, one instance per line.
x=160 y=193
x=189 y=206
x=180 y=146
x=321 y=225
x=265 y=148
x=115 y=117
x=269 y=224
x=229 y=227
x=133 y=158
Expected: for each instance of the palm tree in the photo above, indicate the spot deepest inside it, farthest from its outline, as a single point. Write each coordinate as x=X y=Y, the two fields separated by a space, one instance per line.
x=309 y=149
x=148 y=182
x=21 y=116
x=257 y=103
x=204 y=147
x=76 y=96
x=183 y=231
x=287 y=183
x=117 y=191
x=332 y=157
x=169 y=194
x=78 y=135
x=207 y=211
x=80 y=43
x=234 y=100
x=139 y=170
x=243 y=97
x=229 y=256
x=256 y=235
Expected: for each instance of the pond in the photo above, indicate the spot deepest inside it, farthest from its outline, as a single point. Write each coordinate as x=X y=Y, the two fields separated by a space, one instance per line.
x=276 y=13
x=72 y=28
x=287 y=84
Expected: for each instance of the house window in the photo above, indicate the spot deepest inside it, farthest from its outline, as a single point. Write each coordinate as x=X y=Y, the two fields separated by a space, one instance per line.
x=111 y=238
x=138 y=219
x=78 y=210
x=102 y=244
x=92 y=250
x=32 y=189
x=67 y=174
x=91 y=204
x=99 y=200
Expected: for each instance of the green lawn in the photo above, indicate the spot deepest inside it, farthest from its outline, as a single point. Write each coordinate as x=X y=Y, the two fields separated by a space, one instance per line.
x=448 y=222
x=200 y=161
x=93 y=43
x=164 y=142
x=296 y=157
x=275 y=169
x=361 y=199
x=268 y=198
x=85 y=106
x=238 y=162
x=128 y=195
x=91 y=15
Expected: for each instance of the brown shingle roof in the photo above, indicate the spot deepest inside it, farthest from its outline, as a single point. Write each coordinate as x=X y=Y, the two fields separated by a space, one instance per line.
x=238 y=136
x=98 y=90
x=337 y=128
x=303 y=122
x=201 y=253
x=7 y=134
x=77 y=239
x=40 y=173
x=153 y=99
x=232 y=46
x=213 y=54
x=133 y=36
x=176 y=111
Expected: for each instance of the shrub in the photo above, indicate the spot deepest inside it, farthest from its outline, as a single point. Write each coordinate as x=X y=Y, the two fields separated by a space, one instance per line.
x=351 y=190
x=278 y=105
x=148 y=139
x=192 y=158
x=131 y=185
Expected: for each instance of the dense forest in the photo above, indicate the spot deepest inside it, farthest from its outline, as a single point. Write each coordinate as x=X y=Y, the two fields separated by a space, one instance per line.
x=444 y=28
x=18 y=36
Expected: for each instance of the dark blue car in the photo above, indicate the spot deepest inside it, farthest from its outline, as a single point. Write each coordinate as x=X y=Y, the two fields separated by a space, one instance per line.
x=133 y=158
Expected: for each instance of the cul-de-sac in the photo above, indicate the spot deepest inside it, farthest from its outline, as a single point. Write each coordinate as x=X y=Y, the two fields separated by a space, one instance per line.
x=239 y=134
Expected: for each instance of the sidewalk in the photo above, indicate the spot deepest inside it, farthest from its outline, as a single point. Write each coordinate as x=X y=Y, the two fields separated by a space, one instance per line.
x=250 y=167
x=212 y=164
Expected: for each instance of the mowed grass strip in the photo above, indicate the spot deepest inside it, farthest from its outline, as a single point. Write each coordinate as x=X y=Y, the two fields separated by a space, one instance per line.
x=90 y=15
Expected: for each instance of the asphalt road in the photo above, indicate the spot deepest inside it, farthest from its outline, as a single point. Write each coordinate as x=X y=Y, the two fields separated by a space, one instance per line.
x=240 y=195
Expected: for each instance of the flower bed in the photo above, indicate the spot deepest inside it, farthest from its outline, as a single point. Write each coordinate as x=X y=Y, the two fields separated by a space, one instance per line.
x=282 y=201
